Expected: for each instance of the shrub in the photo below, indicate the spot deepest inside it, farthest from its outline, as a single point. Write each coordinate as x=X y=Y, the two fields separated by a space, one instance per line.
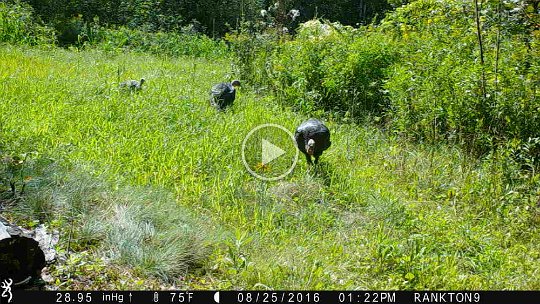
x=326 y=67
x=70 y=31
x=252 y=46
x=160 y=43
x=441 y=90
x=18 y=26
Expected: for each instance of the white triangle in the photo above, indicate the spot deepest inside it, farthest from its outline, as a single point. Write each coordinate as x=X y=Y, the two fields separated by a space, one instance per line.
x=270 y=152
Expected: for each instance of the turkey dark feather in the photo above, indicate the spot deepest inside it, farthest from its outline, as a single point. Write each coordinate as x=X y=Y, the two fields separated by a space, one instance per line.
x=312 y=138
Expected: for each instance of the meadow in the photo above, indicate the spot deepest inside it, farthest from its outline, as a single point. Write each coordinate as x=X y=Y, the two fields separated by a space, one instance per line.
x=148 y=190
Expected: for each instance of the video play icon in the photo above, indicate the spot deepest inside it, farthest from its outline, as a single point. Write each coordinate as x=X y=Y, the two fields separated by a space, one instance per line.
x=269 y=152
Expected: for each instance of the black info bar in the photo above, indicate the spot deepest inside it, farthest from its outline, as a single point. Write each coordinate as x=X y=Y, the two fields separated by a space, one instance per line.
x=246 y=297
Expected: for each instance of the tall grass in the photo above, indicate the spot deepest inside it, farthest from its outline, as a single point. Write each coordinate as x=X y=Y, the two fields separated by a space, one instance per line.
x=141 y=228
x=377 y=213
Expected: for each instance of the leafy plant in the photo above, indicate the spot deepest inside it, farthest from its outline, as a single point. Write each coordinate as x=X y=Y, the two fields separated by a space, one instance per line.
x=445 y=89
x=13 y=176
x=18 y=25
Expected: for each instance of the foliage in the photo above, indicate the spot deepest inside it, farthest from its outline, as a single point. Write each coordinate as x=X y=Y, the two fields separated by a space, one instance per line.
x=186 y=42
x=13 y=179
x=445 y=89
x=214 y=17
x=251 y=49
x=326 y=66
x=19 y=26
x=429 y=80
x=141 y=14
x=339 y=69
x=161 y=170
x=349 y=12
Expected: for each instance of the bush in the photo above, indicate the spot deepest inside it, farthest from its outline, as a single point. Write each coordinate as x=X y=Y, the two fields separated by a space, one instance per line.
x=252 y=50
x=18 y=26
x=70 y=31
x=326 y=67
x=161 y=43
x=441 y=90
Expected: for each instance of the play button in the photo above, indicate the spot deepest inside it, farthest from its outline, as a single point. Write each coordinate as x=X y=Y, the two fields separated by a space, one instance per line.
x=269 y=152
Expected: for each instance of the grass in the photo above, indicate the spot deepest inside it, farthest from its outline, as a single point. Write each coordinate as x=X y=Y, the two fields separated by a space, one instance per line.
x=152 y=189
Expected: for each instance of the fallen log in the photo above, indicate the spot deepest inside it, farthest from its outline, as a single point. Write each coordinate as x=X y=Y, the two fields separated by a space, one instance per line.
x=24 y=253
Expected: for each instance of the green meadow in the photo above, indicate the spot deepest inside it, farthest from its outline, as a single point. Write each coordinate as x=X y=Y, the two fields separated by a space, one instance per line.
x=148 y=190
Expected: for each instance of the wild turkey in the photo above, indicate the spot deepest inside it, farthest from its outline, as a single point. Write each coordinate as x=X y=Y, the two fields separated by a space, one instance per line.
x=132 y=85
x=312 y=138
x=223 y=94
